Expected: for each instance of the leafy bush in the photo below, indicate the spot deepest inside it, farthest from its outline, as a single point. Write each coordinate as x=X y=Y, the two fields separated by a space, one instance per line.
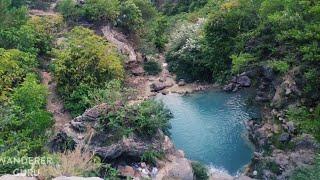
x=32 y=35
x=24 y=122
x=101 y=10
x=70 y=10
x=143 y=119
x=151 y=157
x=221 y=32
x=279 y=66
x=14 y=66
x=85 y=62
x=175 y=7
x=130 y=16
x=147 y=9
x=308 y=122
x=45 y=30
x=184 y=53
x=152 y=67
x=312 y=85
x=200 y=171
x=240 y=62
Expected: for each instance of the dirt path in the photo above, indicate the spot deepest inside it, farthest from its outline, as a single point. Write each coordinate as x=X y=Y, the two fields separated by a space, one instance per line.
x=54 y=103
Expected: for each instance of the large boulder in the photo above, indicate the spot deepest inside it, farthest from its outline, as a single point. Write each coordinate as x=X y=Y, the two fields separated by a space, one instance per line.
x=178 y=167
x=284 y=137
x=237 y=82
x=181 y=82
x=158 y=86
x=244 y=81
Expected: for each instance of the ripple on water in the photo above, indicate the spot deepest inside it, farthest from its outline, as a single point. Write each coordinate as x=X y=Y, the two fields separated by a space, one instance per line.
x=209 y=128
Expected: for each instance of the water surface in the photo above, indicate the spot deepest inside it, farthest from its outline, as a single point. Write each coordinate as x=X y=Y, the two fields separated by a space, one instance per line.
x=209 y=128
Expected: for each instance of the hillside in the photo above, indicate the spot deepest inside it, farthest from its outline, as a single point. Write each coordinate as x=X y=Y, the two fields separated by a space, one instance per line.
x=79 y=81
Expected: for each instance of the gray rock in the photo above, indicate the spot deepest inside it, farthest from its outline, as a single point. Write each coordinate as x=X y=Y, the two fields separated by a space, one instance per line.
x=284 y=137
x=267 y=72
x=229 y=87
x=244 y=81
x=62 y=142
x=234 y=79
x=290 y=126
x=156 y=87
x=78 y=126
x=181 y=82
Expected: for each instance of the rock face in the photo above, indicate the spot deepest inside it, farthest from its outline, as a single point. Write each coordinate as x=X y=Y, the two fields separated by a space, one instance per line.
x=300 y=151
x=178 y=167
x=244 y=81
x=237 y=82
x=131 y=148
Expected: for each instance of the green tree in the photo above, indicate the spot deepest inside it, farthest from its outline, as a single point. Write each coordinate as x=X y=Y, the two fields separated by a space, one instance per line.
x=85 y=60
x=24 y=123
x=70 y=10
x=130 y=16
x=222 y=29
x=102 y=10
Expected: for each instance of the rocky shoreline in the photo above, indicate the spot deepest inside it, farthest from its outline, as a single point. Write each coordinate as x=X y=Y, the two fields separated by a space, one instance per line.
x=279 y=148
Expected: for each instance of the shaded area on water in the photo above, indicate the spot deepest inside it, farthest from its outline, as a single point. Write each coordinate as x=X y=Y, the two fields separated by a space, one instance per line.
x=209 y=128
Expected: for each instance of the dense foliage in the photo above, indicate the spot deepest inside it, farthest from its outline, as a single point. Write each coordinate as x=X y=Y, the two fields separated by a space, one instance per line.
x=152 y=67
x=24 y=122
x=143 y=119
x=14 y=66
x=171 y=7
x=85 y=62
x=239 y=35
x=307 y=120
x=200 y=171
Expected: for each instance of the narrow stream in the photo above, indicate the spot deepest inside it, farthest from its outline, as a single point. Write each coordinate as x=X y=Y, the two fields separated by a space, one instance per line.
x=209 y=128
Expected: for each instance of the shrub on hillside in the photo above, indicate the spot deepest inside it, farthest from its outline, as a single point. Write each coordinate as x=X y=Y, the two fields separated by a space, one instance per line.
x=185 y=53
x=152 y=67
x=130 y=16
x=200 y=171
x=143 y=119
x=308 y=122
x=14 y=66
x=85 y=62
x=24 y=123
x=101 y=10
